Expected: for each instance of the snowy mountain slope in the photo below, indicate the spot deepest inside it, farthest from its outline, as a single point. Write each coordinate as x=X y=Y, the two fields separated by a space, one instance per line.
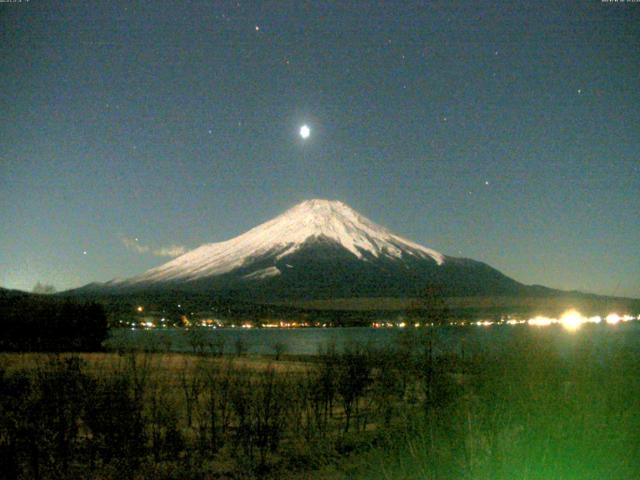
x=318 y=249
x=283 y=236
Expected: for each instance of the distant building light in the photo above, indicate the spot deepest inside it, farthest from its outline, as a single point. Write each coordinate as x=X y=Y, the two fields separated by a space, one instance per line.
x=540 y=321
x=572 y=320
x=613 y=318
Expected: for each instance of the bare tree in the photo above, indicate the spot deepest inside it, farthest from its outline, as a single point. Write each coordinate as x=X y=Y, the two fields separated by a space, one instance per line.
x=353 y=377
x=279 y=348
x=191 y=387
x=44 y=288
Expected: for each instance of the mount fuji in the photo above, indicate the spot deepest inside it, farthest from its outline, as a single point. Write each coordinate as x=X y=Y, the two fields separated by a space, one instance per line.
x=319 y=249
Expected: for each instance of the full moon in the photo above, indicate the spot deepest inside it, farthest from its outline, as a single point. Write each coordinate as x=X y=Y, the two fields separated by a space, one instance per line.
x=305 y=131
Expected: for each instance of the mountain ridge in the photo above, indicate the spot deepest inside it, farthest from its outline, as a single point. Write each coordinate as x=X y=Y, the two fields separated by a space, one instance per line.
x=322 y=256
x=318 y=249
x=283 y=236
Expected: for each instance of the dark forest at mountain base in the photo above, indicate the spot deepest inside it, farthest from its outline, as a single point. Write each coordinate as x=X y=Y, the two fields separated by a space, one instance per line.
x=44 y=323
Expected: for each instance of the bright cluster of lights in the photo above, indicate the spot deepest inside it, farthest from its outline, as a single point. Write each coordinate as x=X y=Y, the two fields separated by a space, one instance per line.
x=613 y=318
x=540 y=321
x=570 y=320
x=404 y=324
x=283 y=324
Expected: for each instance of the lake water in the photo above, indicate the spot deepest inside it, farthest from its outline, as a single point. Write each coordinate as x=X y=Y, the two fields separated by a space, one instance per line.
x=308 y=341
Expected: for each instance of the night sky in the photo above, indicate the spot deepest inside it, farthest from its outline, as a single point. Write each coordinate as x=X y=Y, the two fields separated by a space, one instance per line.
x=506 y=132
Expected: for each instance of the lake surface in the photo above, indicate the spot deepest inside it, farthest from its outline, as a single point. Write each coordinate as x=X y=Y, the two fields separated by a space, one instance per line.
x=309 y=341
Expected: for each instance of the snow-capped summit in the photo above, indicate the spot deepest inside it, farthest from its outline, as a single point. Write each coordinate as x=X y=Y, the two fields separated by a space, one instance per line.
x=338 y=222
x=318 y=249
x=309 y=221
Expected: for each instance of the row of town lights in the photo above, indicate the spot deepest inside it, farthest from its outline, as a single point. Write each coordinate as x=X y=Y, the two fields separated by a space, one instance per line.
x=571 y=320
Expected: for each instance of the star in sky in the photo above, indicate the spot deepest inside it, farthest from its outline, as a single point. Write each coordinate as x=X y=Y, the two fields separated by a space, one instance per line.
x=496 y=74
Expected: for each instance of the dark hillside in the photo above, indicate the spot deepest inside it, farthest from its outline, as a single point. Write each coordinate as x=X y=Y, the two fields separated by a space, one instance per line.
x=49 y=324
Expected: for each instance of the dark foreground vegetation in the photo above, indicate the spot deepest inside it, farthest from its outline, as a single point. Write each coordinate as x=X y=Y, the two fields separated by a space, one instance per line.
x=42 y=323
x=400 y=413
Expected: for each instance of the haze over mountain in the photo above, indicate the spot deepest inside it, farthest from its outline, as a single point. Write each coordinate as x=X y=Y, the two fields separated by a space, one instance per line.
x=319 y=249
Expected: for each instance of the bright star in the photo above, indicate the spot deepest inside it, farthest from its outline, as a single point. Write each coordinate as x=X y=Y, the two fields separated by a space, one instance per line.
x=305 y=131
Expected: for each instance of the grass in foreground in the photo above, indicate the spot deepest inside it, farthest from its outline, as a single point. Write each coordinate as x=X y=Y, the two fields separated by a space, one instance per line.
x=526 y=412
